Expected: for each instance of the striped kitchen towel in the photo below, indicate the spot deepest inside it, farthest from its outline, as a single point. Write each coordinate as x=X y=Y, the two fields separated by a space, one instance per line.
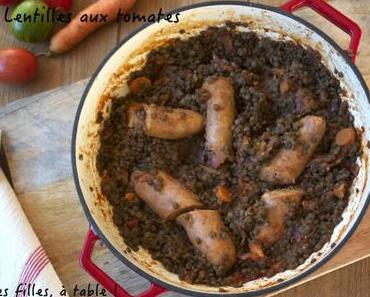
x=24 y=266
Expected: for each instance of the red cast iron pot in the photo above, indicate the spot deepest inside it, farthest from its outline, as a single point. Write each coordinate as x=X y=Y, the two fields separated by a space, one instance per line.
x=110 y=80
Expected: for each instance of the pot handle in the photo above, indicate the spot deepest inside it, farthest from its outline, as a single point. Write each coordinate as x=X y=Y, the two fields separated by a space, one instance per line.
x=334 y=16
x=101 y=277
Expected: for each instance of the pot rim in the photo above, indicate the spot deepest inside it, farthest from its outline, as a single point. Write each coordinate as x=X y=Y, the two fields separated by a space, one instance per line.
x=142 y=272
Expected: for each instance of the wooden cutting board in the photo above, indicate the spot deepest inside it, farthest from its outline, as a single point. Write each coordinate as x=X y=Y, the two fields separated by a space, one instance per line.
x=37 y=142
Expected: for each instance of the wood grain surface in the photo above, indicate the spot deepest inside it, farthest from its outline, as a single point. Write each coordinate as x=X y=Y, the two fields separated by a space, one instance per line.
x=38 y=137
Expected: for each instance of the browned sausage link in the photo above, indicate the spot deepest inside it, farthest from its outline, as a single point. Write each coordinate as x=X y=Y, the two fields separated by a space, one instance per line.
x=208 y=234
x=164 y=195
x=288 y=164
x=165 y=123
x=220 y=118
x=279 y=205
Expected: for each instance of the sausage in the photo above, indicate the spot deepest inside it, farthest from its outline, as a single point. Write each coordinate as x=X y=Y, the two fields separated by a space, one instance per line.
x=163 y=194
x=220 y=118
x=279 y=205
x=288 y=164
x=163 y=122
x=208 y=234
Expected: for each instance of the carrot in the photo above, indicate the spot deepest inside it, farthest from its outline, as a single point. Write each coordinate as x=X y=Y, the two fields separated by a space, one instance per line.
x=255 y=252
x=140 y=84
x=340 y=190
x=223 y=194
x=76 y=31
x=130 y=197
x=284 y=86
x=256 y=249
x=346 y=136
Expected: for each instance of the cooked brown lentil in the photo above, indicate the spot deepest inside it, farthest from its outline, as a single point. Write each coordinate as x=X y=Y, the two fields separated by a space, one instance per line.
x=276 y=83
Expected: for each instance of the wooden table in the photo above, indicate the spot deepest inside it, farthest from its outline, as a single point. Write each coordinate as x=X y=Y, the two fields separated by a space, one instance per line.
x=353 y=280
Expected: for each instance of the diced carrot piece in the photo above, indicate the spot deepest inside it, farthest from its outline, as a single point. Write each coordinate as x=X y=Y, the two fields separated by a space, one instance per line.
x=340 y=191
x=284 y=86
x=345 y=137
x=130 y=196
x=255 y=252
x=256 y=249
x=223 y=194
x=140 y=84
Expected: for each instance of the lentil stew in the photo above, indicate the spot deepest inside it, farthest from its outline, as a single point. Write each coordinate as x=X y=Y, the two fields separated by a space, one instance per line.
x=247 y=135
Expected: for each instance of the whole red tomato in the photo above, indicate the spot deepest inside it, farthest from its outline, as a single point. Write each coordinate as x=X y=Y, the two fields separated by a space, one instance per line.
x=64 y=4
x=17 y=66
x=8 y=2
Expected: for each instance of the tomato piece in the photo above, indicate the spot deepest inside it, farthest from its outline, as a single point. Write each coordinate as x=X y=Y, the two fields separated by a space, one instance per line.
x=8 y=2
x=17 y=66
x=37 y=28
x=63 y=4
